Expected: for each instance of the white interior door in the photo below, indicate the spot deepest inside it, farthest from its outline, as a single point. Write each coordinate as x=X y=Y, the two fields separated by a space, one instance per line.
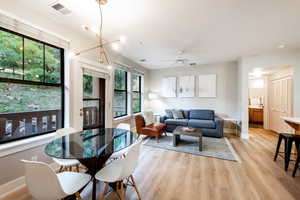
x=281 y=92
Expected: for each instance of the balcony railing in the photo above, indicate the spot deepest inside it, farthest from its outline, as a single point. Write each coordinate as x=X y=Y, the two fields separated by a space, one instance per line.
x=91 y=117
x=18 y=125
x=23 y=124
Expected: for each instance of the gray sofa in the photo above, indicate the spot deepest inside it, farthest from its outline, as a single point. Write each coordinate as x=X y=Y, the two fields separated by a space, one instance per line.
x=206 y=120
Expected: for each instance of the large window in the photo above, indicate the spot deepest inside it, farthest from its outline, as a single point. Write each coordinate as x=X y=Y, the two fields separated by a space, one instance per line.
x=120 y=94
x=31 y=87
x=136 y=93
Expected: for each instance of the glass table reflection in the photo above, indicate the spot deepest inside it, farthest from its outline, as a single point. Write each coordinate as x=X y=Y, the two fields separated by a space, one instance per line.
x=91 y=147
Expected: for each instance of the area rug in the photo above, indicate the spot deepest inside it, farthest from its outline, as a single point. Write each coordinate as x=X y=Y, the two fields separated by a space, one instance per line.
x=212 y=147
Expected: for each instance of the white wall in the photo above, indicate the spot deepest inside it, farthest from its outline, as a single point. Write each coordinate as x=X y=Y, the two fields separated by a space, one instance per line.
x=227 y=89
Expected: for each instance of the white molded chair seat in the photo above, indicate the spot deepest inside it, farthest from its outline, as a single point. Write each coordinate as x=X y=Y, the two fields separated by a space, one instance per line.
x=67 y=178
x=44 y=184
x=66 y=162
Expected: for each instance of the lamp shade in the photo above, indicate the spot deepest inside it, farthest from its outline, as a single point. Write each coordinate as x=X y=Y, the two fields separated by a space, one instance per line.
x=152 y=95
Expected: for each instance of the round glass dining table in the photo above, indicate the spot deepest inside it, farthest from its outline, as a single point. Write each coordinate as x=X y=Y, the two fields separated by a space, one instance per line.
x=92 y=148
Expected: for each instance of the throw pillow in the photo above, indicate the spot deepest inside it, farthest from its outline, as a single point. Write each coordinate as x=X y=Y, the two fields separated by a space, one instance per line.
x=169 y=114
x=177 y=114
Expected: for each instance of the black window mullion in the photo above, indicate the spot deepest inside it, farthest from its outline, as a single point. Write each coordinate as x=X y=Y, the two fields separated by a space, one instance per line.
x=44 y=63
x=124 y=91
x=23 y=81
x=23 y=60
x=126 y=99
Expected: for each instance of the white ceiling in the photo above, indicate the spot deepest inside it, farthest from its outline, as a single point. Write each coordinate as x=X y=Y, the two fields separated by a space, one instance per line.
x=207 y=30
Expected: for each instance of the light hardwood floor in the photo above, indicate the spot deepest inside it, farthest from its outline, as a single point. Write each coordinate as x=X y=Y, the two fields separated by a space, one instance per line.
x=168 y=175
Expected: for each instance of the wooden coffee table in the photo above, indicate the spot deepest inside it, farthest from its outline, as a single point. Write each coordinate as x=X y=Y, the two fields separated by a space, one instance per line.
x=179 y=131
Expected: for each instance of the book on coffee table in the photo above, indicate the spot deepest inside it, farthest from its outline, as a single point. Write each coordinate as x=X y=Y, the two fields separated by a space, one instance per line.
x=188 y=129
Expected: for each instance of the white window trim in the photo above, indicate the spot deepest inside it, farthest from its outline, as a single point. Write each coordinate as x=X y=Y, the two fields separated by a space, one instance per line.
x=24 y=144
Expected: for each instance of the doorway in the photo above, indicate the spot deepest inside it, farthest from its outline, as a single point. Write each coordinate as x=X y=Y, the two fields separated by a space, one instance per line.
x=93 y=102
x=270 y=98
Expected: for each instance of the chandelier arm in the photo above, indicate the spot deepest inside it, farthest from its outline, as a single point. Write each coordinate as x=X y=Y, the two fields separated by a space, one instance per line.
x=96 y=47
x=86 y=50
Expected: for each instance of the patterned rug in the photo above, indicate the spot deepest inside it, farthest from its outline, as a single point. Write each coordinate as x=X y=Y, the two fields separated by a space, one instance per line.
x=211 y=147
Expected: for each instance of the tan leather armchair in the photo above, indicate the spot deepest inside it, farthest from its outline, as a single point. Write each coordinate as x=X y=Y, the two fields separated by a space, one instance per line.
x=154 y=130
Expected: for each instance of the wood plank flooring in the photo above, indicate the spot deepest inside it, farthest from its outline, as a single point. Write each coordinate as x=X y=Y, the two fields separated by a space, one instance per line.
x=169 y=175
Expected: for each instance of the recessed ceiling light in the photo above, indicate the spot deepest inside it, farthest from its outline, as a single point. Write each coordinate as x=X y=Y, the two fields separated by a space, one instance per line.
x=281 y=46
x=143 y=60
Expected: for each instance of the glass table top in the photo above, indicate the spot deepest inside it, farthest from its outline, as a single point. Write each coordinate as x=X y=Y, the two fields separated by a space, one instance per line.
x=90 y=143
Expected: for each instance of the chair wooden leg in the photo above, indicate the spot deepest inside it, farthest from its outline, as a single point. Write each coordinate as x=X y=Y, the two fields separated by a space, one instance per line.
x=135 y=187
x=77 y=168
x=120 y=190
x=102 y=195
x=61 y=169
x=78 y=196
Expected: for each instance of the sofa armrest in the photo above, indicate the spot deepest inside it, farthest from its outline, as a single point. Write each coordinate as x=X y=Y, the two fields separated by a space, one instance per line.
x=162 y=119
x=219 y=126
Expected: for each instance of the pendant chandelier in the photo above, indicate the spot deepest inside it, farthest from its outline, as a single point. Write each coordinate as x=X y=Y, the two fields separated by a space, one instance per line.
x=104 y=58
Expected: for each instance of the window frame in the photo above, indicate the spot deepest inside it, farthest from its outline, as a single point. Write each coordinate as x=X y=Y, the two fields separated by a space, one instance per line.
x=139 y=92
x=126 y=94
x=38 y=83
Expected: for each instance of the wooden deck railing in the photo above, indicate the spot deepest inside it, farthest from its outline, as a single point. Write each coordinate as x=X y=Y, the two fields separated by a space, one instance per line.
x=90 y=117
x=28 y=123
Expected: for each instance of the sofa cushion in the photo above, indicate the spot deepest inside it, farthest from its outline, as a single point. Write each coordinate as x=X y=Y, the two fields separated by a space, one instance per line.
x=202 y=114
x=178 y=122
x=177 y=114
x=198 y=123
x=169 y=113
x=186 y=114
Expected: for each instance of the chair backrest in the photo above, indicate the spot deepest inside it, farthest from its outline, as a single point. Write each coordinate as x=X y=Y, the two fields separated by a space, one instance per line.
x=131 y=159
x=139 y=123
x=42 y=182
x=65 y=131
x=124 y=126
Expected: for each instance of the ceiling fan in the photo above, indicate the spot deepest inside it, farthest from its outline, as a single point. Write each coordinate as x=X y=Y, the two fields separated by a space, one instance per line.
x=180 y=60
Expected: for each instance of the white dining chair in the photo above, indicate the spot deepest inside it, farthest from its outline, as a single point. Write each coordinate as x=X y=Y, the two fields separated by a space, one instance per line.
x=122 y=152
x=119 y=170
x=66 y=164
x=44 y=184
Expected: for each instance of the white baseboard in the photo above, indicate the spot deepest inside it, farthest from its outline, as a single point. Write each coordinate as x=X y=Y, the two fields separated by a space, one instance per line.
x=12 y=186
x=17 y=184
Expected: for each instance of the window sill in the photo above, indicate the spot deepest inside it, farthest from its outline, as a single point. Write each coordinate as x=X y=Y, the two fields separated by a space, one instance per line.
x=22 y=145
x=122 y=118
